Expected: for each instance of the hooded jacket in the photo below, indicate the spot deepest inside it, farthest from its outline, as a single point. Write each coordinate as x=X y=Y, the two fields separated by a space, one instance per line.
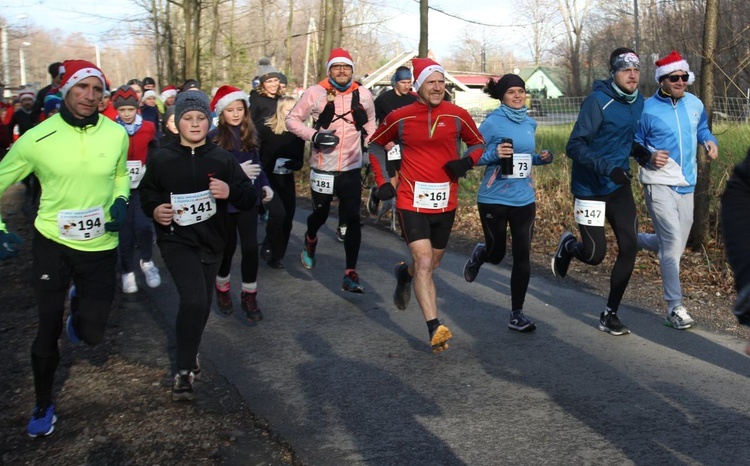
x=178 y=169
x=602 y=139
x=677 y=127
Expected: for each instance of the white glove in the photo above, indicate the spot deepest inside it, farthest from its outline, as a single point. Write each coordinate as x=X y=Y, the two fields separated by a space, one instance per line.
x=267 y=194
x=252 y=170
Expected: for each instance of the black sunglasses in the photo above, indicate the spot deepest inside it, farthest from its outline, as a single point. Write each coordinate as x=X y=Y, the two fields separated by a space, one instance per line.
x=673 y=78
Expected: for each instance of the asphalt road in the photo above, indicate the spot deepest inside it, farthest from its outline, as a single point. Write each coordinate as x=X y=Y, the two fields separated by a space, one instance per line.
x=348 y=379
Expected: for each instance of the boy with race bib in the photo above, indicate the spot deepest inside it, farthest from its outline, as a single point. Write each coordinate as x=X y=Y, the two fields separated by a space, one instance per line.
x=186 y=190
x=138 y=228
x=600 y=147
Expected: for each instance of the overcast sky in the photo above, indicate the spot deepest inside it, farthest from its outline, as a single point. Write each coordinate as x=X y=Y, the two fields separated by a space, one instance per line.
x=96 y=19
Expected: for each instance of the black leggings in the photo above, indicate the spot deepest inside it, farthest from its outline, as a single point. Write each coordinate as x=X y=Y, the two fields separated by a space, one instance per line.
x=347 y=187
x=495 y=219
x=244 y=223
x=93 y=274
x=285 y=205
x=621 y=214
x=194 y=281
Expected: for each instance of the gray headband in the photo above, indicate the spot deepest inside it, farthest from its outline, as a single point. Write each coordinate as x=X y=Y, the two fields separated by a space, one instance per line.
x=625 y=61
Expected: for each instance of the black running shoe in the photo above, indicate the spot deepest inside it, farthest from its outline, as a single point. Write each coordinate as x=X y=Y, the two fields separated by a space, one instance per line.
x=402 y=295
x=224 y=301
x=610 y=323
x=561 y=259
x=471 y=268
x=518 y=321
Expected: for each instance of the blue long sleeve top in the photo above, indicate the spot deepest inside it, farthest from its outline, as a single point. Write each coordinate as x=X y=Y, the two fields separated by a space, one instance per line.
x=495 y=189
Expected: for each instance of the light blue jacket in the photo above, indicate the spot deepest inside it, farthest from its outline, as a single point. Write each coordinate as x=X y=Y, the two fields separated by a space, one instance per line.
x=678 y=128
x=514 y=192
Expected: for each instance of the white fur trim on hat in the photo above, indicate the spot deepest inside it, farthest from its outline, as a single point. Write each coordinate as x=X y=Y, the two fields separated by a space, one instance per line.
x=28 y=94
x=168 y=93
x=339 y=55
x=147 y=94
x=222 y=103
x=79 y=75
x=671 y=63
x=428 y=70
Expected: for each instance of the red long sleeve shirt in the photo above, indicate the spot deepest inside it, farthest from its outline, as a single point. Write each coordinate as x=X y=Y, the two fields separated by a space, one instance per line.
x=430 y=137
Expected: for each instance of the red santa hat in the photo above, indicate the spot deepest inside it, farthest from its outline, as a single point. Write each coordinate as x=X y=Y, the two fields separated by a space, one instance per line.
x=671 y=63
x=26 y=94
x=168 y=92
x=424 y=67
x=78 y=70
x=224 y=96
x=339 y=56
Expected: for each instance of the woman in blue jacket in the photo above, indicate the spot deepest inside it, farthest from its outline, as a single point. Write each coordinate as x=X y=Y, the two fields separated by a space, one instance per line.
x=506 y=195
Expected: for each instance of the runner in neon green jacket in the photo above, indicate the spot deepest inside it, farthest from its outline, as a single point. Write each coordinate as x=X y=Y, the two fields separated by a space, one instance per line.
x=70 y=172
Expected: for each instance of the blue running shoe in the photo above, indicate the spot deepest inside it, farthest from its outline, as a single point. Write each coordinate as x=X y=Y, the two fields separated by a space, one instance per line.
x=351 y=283
x=42 y=421
x=308 y=253
x=69 y=329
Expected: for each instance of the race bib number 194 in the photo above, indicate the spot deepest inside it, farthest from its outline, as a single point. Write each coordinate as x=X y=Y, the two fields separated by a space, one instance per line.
x=81 y=225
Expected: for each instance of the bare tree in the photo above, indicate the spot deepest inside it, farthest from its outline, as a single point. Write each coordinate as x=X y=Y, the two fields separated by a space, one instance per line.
x=575 y=14
x=543 y=17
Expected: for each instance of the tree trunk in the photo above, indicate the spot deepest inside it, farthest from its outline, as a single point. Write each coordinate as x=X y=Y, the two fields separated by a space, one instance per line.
x=214 y=41
x=192 y=11
x=338 y=23
x=289 y=25
x=424 y=8
x=327 y=44
x=702 y=201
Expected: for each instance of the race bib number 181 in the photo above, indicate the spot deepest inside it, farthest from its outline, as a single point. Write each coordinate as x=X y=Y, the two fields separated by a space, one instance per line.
x=321 y=182
x=589 y=213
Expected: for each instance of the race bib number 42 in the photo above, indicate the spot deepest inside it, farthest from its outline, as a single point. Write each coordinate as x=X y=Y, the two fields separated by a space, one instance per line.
x=321 y=182
x=136 y=170
x=431 y=195
x=589 y=212
x=193 y=208
x=81 y=225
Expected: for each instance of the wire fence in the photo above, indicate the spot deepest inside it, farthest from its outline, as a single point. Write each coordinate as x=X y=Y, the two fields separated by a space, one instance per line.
x=564 y=110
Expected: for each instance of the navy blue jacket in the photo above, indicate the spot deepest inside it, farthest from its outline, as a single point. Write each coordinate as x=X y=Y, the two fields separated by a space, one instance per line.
x=602 y=139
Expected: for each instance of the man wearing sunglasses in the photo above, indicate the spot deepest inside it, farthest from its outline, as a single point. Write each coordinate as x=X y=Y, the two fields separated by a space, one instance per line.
x=672 y=125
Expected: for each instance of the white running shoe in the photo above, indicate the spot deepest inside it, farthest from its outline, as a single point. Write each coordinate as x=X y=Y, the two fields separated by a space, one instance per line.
x=153 y=279
x=128 y=283
x=679 y=318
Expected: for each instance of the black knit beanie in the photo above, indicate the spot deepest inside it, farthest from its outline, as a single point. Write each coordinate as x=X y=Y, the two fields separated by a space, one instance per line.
x=497 y=89
x=191 y=100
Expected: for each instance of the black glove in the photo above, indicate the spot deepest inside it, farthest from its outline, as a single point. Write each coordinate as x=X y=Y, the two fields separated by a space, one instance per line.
x=458 y=168
x=640 y=154
x=325 y=139
x=118 y=212
x=386 y=191
x=293 y=164
x=619 y=176
x=8 y=245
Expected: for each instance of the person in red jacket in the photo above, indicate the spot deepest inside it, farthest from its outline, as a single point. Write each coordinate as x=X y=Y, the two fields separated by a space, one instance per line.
x=429 y=132
x=138 y=227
